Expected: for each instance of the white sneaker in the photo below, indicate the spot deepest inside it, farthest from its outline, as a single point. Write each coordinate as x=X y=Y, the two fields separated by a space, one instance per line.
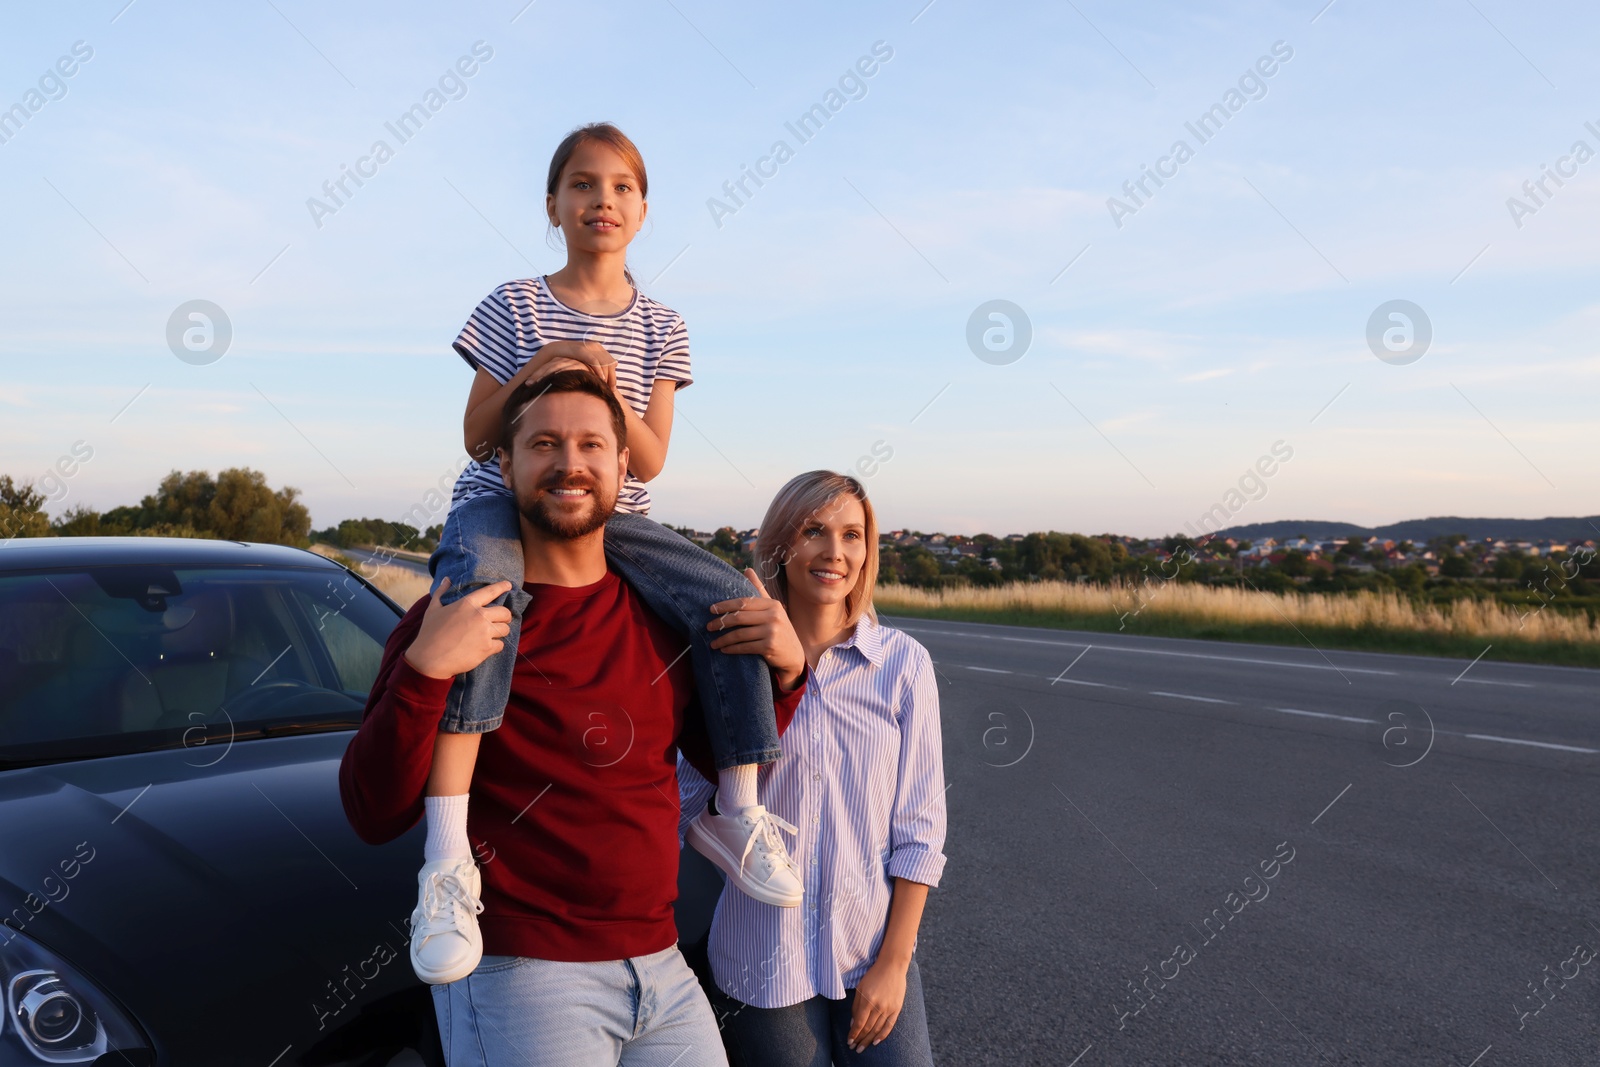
x=750 y=852
x=445 y=942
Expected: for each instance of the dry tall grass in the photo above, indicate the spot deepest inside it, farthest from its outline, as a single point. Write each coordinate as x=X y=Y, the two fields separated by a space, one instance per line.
x=401 y=584
x=1229 y=606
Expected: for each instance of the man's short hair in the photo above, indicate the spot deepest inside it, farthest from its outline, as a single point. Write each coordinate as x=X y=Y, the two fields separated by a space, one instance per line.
x=565 y=381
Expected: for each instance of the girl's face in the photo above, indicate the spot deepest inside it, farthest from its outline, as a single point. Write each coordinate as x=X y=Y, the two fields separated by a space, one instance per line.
x=597 y=202
x=827 y=556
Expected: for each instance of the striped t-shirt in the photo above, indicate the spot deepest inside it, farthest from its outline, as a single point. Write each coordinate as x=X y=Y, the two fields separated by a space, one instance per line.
x=647 y=339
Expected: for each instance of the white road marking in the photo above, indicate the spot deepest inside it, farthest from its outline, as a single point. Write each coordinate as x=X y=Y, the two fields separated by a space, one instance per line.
x=1485 y=681
x=1186 y=696
x=1322 y=715
x=1147 y=651
x=1535 y=744
x=1288 y=711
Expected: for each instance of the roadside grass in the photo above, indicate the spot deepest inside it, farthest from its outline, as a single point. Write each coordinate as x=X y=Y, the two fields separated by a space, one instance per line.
x=1366 y=621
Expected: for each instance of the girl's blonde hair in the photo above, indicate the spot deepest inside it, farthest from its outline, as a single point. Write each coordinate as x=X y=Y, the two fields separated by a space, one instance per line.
x=804 y=499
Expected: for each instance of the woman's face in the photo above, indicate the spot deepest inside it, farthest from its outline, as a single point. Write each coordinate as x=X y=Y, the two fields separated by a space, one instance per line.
x=597 y=202
x=827 y=555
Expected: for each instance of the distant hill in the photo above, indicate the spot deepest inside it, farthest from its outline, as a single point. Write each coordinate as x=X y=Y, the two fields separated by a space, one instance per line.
x=1421 y=530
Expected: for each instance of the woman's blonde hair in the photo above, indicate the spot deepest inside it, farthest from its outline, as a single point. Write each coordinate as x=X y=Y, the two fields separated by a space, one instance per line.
x=802 y=501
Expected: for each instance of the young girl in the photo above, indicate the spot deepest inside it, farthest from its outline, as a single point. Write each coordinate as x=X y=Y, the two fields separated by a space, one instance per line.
x=862 y=777
x=589 y=316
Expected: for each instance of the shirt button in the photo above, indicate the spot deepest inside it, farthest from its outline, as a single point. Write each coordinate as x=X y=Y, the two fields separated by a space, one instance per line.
x=816 y=777
x=816 y=732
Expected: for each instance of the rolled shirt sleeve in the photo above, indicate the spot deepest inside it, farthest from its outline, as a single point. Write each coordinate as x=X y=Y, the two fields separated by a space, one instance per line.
x=917 y=826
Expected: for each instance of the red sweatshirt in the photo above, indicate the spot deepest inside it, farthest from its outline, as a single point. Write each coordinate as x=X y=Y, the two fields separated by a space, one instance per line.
x=573 y=814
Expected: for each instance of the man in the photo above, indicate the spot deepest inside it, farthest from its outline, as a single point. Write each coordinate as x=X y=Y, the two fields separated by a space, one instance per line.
x=574 y=801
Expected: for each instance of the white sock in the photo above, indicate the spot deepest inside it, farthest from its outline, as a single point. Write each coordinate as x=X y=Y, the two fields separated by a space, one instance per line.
x=447 y=829
x=736 y=789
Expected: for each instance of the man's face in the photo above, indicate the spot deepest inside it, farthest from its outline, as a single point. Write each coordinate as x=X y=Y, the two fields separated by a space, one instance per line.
x=564 y=467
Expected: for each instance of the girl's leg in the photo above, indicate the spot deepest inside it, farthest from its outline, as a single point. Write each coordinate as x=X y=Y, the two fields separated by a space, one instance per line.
x=481 y=544
x=680 y=581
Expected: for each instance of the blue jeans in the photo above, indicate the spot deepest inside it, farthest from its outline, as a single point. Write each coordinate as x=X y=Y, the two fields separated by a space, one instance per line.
x=677 y=579
x=812 y=1033
x=513 y=1011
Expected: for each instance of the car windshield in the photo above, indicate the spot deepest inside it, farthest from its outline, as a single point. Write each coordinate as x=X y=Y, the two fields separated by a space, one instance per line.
x=113 y=659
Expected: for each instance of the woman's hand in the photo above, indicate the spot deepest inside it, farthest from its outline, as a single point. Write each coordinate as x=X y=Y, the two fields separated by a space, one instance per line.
x=880 y=995
x=758 y=625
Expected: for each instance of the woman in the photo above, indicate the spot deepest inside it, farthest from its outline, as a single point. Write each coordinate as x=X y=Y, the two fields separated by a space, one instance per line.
x=860 y=784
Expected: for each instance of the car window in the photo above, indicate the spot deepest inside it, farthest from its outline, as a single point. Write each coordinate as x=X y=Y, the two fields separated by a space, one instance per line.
x=123 y=658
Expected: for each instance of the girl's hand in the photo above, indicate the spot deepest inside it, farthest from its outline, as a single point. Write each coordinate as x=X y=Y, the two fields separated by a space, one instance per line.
x=758 y=625
x=575 y=355
x=880 y=995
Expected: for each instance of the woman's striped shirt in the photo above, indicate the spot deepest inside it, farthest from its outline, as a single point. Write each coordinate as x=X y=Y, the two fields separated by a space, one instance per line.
x=648 y=340
x=862 y=777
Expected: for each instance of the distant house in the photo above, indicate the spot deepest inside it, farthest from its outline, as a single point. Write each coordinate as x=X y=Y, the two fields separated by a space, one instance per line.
x=702 y=537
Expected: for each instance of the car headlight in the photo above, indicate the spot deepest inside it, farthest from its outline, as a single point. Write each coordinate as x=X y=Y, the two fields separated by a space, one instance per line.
x=53 y=1014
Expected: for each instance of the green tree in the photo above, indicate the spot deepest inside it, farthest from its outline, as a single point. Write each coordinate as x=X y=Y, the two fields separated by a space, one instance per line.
x=236 y=505
x=920 y=567
x=21 y=510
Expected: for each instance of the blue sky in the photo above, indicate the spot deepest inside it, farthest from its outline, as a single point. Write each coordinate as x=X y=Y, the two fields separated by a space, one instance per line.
x=1228 y=313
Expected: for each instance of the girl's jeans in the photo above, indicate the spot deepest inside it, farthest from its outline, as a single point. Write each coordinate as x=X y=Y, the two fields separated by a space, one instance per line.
x=677 y=579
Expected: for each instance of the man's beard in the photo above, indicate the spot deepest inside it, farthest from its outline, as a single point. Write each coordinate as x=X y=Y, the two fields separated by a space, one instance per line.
x=568 y=527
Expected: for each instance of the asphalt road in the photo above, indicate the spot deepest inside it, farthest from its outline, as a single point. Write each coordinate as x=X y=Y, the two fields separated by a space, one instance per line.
x=1108 y=793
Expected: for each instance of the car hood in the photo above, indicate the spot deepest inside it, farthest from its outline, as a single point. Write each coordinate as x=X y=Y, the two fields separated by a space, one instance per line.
x=214 y=890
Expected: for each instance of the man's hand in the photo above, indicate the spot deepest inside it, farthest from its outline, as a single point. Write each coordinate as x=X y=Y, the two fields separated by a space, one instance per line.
x=880 y=995
x=456 y=637
x=759 y=625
